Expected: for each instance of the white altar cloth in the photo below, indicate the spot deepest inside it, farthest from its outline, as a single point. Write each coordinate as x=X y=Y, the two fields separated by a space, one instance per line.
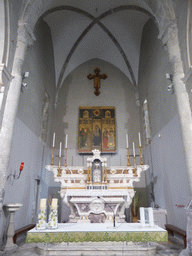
x=100 y=227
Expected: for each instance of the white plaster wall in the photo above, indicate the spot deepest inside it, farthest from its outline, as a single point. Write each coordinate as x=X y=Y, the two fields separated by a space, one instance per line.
x=27 y=145
x=165 y=154
x=26 y=148
x=167 y=162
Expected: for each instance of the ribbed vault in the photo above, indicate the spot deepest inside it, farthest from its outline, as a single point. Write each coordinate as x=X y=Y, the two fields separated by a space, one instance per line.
x=92 y=29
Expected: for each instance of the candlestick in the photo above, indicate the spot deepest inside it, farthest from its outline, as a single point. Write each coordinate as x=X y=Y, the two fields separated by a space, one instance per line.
x=128 y=161
x=135 y=167
x=141 y=157
x=60 y=149
x=105 y=173
x=127 y=140
x=59 y=169
x=65 y=164
x=52 y=157
x=66 y=141
x=133 y=149
x=139 y=139
x=88 y=174
x=53 y=139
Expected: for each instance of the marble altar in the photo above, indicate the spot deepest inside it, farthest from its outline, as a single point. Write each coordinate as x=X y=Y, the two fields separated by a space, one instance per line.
x=97 y=193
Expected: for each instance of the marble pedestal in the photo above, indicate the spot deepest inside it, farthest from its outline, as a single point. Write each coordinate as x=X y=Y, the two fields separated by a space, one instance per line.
x=11 y=208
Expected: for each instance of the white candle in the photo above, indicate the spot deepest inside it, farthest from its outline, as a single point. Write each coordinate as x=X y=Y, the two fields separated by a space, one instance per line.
x=43 y=204
x=53 y=139
x=139 y=139
x=66 y=141
x=127 y=140
x=54 y=204
x=133 y=149
x=60 y=149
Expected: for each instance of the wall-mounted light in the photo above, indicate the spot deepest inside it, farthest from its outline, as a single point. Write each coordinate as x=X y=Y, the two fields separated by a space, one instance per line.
x=170 y=87
x=24 y=84
x=20 y=170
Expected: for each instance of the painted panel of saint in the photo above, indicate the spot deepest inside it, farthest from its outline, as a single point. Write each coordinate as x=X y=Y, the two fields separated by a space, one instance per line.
x=96 y=129
x=108 y=131
x=97 y=134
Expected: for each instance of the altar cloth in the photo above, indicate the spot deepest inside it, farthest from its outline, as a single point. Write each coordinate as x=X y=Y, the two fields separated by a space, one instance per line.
x=95 y=232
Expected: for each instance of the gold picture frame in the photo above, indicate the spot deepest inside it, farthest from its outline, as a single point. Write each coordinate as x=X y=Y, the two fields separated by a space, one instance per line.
x=97 y=129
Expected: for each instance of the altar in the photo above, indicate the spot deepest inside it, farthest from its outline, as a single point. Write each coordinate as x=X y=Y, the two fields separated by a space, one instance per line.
x=97 y=196
x=96 y=193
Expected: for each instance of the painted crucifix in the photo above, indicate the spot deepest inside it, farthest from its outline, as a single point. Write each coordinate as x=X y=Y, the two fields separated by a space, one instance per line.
x=97 y=78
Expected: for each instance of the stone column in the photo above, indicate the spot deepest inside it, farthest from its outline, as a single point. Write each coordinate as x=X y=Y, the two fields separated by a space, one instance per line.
x=170 y=40
x=25 y=37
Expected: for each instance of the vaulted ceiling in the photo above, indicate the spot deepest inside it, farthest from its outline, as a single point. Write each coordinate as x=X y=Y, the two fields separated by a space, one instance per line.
x=77 y=37
x=81 y=30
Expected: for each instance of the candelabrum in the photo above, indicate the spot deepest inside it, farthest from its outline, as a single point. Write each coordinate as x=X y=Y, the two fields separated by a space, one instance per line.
x=135 y=167
x=52 y=158
x=88 y=175
x=65 y=163
x=105 y=174
x=141 y=157
x=128 y=162
x=59 y=169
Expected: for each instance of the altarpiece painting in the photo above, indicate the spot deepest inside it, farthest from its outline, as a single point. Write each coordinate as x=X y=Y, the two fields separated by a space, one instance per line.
x=97 y=129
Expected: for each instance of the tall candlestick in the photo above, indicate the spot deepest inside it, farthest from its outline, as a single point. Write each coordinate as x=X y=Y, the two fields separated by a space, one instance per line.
x=60 y=149
x=127 y=140
x=128 y=162
x=139 y=139
x=66 y=141
x=53 y=139
x=133 y=149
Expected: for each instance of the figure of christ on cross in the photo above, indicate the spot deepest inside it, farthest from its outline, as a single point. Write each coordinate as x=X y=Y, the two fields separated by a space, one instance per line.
x=97 y=77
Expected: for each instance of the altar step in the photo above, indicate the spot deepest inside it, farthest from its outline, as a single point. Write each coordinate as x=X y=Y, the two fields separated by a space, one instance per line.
x=98 y=248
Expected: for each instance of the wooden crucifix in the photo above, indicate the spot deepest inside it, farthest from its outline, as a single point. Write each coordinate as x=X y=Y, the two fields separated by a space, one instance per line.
x=97 y=77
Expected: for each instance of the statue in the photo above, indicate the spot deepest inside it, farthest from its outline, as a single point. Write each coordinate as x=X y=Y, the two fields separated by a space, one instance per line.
x=97 y=77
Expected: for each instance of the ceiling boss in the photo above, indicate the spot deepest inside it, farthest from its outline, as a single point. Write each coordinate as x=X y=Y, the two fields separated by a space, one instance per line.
x=97 y=80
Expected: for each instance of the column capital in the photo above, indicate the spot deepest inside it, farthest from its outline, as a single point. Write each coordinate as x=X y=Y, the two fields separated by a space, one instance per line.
x=25 y=33
x=168 y=30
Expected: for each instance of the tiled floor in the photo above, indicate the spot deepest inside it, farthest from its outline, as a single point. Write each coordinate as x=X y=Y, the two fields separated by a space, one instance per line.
x=172 y=248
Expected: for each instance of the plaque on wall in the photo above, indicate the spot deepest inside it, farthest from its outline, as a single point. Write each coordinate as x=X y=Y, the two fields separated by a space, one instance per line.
x=97 y=129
